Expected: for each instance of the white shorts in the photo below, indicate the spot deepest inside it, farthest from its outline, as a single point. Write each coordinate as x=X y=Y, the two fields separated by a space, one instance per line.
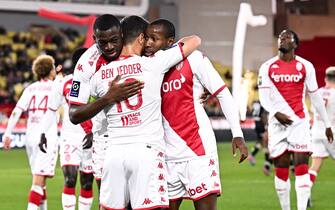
x=73 y=154
x=322 y=148
x=98 y=153
x=294 y=138
x=135 y=173
x=194 y=179
x=42 y=163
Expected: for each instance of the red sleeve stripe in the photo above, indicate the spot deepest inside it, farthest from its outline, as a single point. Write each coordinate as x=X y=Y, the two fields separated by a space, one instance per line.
x=219 y=90
x=51 y=109
x=181 y=49
x=76 y=103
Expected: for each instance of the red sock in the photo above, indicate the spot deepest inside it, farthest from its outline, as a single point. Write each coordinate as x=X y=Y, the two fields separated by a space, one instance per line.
x=86 y=193
x=301 y=169
x=282 y=173
x=35 y=198
x=69 y=190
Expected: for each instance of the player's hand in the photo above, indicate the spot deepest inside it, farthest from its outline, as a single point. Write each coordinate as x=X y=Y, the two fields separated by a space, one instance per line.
x=205 y=96
x=239 y=143
x=329 y=134
x=120 y=91
x=43 y=143
x=6 y=143
x=283 y=119
x=88 y=141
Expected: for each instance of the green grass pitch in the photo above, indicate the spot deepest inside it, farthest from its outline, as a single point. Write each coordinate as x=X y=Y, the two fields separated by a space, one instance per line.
x=244 y=187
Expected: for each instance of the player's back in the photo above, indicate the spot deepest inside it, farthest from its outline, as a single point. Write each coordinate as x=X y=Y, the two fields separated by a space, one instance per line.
x=318 y=129
x=35 y=100
x=137 y=119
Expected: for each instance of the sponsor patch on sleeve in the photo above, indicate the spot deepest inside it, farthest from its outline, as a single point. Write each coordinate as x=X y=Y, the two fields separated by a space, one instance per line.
x=75 y=89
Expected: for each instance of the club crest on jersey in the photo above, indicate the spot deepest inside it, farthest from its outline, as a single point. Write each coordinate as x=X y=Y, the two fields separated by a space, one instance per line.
x=179 y=66
x=75 y=89
x=298 y=66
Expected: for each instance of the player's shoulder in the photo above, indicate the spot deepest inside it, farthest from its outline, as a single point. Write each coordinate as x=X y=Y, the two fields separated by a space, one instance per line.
x=303 y=61
x=269 y=62
x=196 y=55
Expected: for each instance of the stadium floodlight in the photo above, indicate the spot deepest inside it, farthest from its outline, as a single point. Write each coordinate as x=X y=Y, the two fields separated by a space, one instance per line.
x=76 y=8
x=245 y=17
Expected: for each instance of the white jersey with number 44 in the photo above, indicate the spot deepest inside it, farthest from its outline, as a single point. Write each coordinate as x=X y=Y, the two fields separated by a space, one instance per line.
x=139 y=118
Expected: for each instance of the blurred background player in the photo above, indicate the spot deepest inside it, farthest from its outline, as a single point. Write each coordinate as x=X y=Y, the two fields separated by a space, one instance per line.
x=283 y=82
x=192 y=162
x=34 y=100
x=321 y=148
x=107 y=47
x=261 y=122
x=72 y=155
x=135 y=124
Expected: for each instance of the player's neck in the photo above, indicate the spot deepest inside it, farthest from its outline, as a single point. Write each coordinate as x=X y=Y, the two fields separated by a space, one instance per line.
x=130 y=49
x=287 y=57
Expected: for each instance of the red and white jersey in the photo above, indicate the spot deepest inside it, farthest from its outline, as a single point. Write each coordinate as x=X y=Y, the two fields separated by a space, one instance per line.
x=139 y=118
x=288 y=83
x=34 y=100
x=60 y=97
x=188 y=131
x=318 y=129
x=87 y=65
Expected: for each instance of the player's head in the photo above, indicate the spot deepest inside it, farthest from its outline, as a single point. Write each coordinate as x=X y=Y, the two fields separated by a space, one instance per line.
x=159 y=35
x=133 y=28
x=75 y=57
x=330 y=76
x=44 y=67
x=108 y=36
x=288 y=41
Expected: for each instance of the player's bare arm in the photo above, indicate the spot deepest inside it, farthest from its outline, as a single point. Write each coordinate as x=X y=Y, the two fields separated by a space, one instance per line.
x=116 y=93
x=190 y=43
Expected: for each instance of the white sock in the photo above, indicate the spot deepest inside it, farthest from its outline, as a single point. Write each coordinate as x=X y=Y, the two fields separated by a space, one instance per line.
x=44 y=204
x=84 y=203
x=68 y=202
x=283 y=191
x=303 y=190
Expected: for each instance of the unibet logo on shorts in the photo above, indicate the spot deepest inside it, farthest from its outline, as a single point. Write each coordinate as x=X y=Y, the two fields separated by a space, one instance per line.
x=75 y=89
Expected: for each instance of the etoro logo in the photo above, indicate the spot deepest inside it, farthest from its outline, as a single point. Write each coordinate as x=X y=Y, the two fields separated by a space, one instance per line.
x=286 y=77
x=173 y=84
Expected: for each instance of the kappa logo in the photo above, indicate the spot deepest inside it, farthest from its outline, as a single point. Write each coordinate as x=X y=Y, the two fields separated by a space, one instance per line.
x=147 y=201
x=161 y=177
x=213 y=173
x=80 y=67
x=179 y=66
x=211 y=162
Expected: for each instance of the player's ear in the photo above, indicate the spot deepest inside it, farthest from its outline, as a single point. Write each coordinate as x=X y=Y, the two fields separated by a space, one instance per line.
x=94 y=38
x=170 y=41
x=141 y=39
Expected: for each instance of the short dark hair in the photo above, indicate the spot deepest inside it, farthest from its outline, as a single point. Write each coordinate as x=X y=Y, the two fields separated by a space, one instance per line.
x=132 y=26
x=169 y=30
x=295 y=37
x=106 y=22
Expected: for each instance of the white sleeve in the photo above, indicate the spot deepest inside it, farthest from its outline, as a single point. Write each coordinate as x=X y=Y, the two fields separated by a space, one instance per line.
x=213 y=82
x=56 y=99
x=264 y=89
x=14 y=117
x=24 y=100
x=319 y=106
x=80 y=90
x=163 y=60
x=310 y=80
x=206 y=73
